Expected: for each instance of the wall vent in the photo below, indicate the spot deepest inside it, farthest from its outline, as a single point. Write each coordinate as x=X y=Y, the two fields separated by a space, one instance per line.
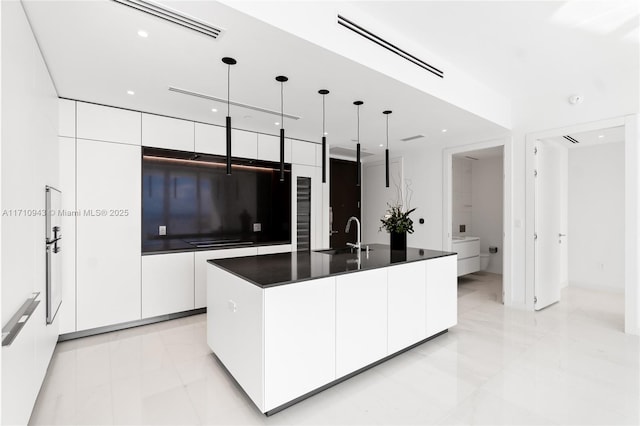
x=172 y=16
x=570 y=139
x=389 y=46
x=410 y=138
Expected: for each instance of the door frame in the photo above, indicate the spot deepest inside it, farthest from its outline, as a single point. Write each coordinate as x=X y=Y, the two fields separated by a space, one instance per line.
x=507 y=204
x=632 y=210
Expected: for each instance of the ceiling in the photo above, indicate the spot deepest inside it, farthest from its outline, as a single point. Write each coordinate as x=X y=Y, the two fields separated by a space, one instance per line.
x=592 y=137
x=525 y=48
x=94 y=53
x=481 y=154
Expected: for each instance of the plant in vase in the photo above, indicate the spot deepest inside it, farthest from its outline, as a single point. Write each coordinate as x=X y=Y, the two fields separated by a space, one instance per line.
x=397 y=222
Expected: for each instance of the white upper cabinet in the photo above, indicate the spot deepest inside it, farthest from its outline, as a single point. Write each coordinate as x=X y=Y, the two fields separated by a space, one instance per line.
x=67 y=118
x=169 y=133
x=210 y=139
x=243 y=144
x=109 y=124
x=269 y=148
x=303 y=153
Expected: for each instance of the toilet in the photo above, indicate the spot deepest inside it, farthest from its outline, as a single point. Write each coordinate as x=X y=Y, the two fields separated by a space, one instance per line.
x=484 y=261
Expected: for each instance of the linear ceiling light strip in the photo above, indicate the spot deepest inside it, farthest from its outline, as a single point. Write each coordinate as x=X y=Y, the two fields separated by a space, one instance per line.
x=238 y=104
x=171 y=16
x=389 y=46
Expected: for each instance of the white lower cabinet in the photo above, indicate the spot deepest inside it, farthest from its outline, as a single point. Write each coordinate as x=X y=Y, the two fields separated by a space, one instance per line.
x=406 y=304
x=108 y=233
x=282 y=248
x=299 y=355
x=200 y=270
x=361 y=319
x=442 y=294
x=167 y=283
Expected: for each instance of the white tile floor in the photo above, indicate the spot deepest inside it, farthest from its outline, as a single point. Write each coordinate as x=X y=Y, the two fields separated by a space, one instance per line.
x=568 y=364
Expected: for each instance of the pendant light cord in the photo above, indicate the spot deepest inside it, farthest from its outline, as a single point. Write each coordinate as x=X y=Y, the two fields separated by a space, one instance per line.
x=228 y=88
x=282 y=105
x=358 y=133
x=323 y=115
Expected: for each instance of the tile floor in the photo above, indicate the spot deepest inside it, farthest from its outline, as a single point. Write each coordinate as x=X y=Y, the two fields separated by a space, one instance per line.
x=569 y=364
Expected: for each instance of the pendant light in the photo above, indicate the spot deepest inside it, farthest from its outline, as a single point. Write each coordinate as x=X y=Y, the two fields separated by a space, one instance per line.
x=229 y=62
x=324 y=92
x=282 y=79
x=386 y=151
x=359 y=176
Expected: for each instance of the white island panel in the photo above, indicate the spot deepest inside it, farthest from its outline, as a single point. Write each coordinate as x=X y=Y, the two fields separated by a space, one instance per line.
x=361 y=319
x=407 y=310
x=299 y=339
x=442 y=294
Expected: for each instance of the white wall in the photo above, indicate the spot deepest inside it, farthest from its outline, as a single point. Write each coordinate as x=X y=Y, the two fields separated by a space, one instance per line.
x=29 y=162
x=596 y=216
x=375 y=196
x=487 y=207
x=462 y=203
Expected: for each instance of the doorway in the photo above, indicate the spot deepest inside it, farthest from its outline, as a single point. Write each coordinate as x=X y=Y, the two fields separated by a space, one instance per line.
x=477 y=225
x=579 y=207
x=344 y=198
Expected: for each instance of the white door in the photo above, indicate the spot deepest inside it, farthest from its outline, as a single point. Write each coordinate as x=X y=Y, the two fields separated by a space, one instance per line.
x=550 y=183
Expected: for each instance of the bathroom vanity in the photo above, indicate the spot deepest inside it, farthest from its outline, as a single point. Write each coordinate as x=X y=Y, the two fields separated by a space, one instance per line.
x=468 y=249
x=289 y=325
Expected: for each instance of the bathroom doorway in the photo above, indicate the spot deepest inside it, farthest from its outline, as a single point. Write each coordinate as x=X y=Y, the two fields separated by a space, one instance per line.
x=477 y=222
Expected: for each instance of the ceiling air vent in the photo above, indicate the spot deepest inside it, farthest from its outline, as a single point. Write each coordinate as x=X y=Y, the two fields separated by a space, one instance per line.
x=389 y=46
x=570 y=139
x=410 y=138
x=172 y=16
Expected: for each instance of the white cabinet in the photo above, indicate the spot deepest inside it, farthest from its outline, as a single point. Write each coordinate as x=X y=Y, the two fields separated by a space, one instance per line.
x=243 y=144
x=67 y=313
x=67 y=118
x=108 y=233
x=468 y=250
x=200 y=269
x=167 y=283
x=406 y=304
x=269 y=148
x=442 y=294
x=168 y=133
x=303 y=153
x=299 y=355
x=109 y=124
x=210 y=139
x=361 y=319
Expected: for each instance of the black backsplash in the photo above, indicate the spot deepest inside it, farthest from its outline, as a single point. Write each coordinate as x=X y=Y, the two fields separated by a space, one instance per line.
x=203 y=207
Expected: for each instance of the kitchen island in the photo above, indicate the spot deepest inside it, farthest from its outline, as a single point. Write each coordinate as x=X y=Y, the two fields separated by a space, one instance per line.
x=289 y=325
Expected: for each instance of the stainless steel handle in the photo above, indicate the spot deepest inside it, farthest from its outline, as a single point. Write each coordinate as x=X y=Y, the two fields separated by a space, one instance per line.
x=11 y=330
x=331 y=232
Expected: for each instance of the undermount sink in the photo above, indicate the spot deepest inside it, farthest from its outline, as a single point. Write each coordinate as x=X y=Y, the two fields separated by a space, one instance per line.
x=345 y=250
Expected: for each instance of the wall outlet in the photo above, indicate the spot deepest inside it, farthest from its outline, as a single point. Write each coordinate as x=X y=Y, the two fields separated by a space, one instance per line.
x=162 y=230
x=463 y=228
x=257 y=227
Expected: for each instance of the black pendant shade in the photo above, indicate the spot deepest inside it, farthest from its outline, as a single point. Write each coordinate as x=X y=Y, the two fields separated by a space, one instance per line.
x=359 y=172
x=281 y=79
x=324 y=92
x=386 y=152
x=229 y=62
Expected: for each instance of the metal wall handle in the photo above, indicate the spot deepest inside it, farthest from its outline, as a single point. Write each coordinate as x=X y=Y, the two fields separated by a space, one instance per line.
x=11 y=330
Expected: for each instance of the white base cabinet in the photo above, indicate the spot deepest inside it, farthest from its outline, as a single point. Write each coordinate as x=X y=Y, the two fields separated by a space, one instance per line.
x=167 y=283
x=282 y=342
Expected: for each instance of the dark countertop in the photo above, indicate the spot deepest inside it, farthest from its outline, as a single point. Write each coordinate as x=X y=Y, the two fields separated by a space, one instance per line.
x=271 y=270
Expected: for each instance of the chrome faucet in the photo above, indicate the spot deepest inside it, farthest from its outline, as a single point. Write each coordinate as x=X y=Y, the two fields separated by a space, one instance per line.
x=358 y=243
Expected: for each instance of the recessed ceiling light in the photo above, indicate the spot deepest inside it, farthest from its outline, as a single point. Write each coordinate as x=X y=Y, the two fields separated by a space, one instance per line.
x=601 y=136
x=214 y=110
x=143 y=34
x=277 y=123
x=248 y=117
x=130 y=92
x=381 y=145
x=444 y=130
x=326 y=133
